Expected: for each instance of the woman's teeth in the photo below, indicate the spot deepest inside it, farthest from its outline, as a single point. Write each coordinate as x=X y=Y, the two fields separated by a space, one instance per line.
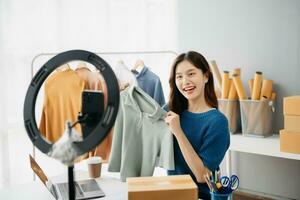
x=188 y=89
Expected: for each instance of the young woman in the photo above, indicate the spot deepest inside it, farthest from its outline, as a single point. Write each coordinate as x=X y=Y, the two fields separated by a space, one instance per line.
x=200 y=130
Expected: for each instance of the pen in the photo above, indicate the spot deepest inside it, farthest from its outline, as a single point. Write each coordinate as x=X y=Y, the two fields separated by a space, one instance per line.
x=206 y=178
x=216 y=176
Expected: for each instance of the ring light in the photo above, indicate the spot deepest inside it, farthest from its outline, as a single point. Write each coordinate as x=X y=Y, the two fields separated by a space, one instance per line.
x=108 y=117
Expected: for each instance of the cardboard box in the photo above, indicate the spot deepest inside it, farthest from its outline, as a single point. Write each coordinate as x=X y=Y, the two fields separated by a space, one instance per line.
x=291 y=105
x=292 y=123
x=180 y=187
x=290 y=141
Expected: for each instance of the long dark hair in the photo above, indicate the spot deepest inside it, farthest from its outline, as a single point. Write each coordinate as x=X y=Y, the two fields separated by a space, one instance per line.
x=177 y=102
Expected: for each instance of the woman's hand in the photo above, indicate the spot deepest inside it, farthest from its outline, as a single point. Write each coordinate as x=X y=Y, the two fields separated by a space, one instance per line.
x=173 y=121
x=206 y=178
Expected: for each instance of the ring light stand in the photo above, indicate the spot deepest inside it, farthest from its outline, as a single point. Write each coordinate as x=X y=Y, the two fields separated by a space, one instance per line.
x=107 y=118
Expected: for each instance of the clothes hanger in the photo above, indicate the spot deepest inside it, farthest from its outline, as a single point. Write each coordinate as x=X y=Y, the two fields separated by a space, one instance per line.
x=120 y=62
x=82 y=65
x=63 y=68
x=139 y=65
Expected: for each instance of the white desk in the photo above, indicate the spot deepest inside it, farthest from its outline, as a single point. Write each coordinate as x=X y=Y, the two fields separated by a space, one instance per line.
x=113 y=188
x=269 y=146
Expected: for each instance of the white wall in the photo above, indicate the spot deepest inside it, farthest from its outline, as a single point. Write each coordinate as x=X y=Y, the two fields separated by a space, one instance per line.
x=256 y=35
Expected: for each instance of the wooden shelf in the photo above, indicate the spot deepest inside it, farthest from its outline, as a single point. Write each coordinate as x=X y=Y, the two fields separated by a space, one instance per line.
x=269 y=146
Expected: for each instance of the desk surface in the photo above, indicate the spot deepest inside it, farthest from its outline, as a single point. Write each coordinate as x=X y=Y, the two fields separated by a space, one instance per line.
x=110 y=183
x=113 y=188
x=269 y=146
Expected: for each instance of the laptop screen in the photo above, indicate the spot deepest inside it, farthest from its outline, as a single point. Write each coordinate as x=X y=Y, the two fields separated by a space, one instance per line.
x=38 y=171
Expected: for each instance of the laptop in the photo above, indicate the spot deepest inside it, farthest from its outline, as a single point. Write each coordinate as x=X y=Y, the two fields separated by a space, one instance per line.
x=85 y=189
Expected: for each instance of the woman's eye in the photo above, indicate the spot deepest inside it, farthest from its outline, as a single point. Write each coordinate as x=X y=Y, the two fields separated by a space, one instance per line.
x=191 y=74
x=178 y=77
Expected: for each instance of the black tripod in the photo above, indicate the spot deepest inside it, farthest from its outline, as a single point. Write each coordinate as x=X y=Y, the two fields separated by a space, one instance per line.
x=71 y=183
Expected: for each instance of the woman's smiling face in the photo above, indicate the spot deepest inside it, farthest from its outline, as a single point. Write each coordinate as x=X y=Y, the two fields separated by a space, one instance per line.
x=190 y=80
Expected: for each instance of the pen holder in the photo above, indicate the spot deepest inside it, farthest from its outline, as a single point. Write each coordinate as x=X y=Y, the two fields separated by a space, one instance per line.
x=257 y=117
x=219 y=196
x=231 y=109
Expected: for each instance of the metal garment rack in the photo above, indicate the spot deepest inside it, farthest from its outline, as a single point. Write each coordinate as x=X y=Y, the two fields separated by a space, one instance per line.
x=107 y=53
x=98 y=53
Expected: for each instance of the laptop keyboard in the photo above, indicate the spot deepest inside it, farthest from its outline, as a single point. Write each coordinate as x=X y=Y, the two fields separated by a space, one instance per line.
x=64 y=190
x=89 y=187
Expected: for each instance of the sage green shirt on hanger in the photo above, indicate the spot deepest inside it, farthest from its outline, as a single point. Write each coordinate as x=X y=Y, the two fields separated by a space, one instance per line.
x=141 y=139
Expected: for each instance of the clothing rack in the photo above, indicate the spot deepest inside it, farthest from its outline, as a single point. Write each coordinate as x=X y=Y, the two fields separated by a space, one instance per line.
x=98 y=53
x=106 y=53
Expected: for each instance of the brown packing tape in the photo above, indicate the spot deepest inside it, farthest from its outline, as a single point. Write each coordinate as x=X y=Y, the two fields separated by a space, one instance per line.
x=239 y=86
x=256 y=86
x=225 y=85
x=216 y=73
x=266 y=89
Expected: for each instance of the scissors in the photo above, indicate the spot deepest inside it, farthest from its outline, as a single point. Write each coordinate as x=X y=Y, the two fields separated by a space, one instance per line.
x=229 y=184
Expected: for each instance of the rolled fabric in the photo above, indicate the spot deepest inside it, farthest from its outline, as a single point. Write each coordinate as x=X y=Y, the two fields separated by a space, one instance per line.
x=266 y=89
x=216 y=73
x=225 y=84
x=256 y=86
x=239 y=86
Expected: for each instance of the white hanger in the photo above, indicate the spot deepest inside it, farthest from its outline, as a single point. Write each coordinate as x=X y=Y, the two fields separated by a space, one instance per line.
x=121 y=62
x=82 y=65
x=139 y=65
x=63 y=68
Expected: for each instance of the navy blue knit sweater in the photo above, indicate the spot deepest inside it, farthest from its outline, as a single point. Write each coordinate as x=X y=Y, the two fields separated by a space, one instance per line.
x=208 y=133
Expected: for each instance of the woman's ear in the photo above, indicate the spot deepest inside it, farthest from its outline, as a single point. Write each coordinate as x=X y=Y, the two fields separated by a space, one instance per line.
x=206 y=76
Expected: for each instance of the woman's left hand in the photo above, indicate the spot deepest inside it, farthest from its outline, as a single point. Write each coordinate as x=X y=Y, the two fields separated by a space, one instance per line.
x=173 y=121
